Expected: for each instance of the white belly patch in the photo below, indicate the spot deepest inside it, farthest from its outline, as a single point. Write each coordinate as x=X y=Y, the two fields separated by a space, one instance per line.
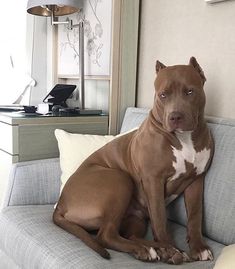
x=189 y=154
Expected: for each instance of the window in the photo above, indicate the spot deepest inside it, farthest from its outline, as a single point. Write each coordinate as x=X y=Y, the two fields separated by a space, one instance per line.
x=14 y=70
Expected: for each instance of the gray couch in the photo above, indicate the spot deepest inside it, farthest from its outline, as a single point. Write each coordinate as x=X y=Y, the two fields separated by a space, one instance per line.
x=29 y=239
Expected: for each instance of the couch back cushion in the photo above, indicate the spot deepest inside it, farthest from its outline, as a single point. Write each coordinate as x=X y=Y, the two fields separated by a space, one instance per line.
x=133 y=118
x=219 y=190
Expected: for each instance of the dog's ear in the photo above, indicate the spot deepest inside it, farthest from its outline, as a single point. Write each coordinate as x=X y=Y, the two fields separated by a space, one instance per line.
x=159 y=66
x=196 y=65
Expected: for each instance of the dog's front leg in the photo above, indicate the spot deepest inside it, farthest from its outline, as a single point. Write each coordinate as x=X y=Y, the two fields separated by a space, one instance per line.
x=154 y=193
x=193 y=196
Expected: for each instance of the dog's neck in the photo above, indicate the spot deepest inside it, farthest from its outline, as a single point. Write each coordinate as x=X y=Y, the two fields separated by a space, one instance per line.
x=155 y=118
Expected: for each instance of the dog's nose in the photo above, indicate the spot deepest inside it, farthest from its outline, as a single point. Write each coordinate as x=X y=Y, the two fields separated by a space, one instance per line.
x=176 y=117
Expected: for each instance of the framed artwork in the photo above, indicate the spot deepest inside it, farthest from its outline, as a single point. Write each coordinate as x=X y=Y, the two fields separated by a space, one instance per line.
x=97 y=41
x=110 y=57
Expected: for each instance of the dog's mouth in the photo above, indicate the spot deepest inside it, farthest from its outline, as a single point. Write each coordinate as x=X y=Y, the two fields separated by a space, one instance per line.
x=180 y=130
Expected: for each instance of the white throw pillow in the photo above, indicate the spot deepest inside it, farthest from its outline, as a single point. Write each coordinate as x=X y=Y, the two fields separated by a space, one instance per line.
x=226 y=260
x=75 y=148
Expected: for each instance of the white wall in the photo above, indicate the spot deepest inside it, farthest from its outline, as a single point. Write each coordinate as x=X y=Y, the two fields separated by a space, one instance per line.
x=39 y=69
x=172 y=31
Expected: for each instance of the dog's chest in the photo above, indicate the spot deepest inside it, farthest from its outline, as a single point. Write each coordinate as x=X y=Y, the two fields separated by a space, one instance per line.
x=188 y=154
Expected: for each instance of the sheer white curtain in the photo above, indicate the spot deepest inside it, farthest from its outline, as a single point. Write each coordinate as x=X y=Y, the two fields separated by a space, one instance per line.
x=14 y=72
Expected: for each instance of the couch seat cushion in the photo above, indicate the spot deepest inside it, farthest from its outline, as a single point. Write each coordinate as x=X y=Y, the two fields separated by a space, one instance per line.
x=29 y=236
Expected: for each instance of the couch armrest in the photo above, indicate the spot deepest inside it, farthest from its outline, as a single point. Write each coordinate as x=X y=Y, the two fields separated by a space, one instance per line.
x=33 y=182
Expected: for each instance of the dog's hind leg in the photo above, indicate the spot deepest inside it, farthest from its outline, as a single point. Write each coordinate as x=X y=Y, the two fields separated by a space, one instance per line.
x=97 y=199
x=79 y=232
x=109 y=237
x=133 y=226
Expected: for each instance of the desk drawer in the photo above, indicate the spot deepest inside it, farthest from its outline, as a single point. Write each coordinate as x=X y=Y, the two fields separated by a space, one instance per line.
x=9 y=138
x=39 y=142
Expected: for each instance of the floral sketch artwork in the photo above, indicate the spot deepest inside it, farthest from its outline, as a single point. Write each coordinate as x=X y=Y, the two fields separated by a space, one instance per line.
x=97 y=42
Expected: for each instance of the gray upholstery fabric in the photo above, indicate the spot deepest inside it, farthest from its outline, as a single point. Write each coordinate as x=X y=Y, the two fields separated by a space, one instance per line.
x=33 y=241
x=34 y=182
x=133 y=118
x=6 y=262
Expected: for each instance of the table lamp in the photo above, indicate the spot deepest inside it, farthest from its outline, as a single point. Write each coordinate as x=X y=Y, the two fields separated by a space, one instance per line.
x=53 y=9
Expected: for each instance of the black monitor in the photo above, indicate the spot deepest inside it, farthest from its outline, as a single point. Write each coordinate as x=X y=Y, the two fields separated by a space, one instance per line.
x=59 y=94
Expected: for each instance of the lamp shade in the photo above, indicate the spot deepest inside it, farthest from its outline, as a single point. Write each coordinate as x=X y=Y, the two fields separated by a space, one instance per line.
x=59 y=7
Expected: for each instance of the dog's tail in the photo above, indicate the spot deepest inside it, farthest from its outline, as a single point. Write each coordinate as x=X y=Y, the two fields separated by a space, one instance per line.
x=79 y=232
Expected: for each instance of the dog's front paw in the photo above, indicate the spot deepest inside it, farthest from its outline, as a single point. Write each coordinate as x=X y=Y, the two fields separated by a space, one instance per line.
x=199 y=251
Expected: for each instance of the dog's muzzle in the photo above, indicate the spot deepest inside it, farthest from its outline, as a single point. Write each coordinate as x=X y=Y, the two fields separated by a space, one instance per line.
x=176 y=120
x=179 y=121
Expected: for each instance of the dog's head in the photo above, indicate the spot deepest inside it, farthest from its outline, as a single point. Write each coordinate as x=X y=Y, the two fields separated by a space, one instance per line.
x=179 y=96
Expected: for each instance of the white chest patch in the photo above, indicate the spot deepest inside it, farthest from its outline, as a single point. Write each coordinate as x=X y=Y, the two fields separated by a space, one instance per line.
x=189 y=154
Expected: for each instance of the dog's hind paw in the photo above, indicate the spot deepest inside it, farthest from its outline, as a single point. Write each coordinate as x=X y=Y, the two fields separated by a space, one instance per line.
x=186 y=257
x=177 y=258
x=153 y=254
x=147 y=254
x=173 y=255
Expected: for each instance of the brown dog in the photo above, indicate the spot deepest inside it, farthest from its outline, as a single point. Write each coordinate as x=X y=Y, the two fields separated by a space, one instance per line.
x=132 y=179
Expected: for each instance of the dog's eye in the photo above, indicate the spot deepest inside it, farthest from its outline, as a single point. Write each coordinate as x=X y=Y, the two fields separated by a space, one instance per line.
x=189 y=92
x=162 y=95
